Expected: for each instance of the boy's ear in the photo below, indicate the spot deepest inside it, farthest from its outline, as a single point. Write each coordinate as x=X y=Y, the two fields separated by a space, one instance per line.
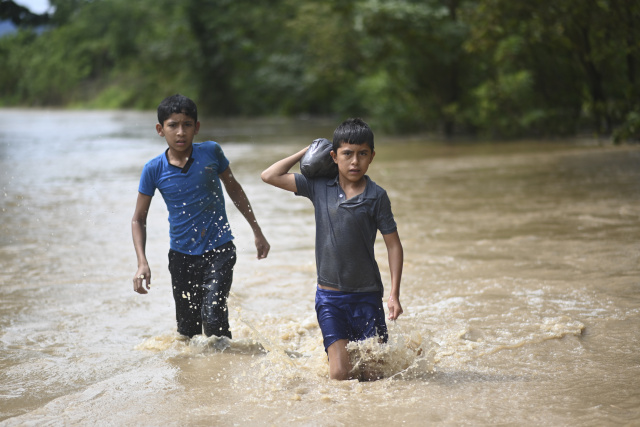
x=159 y=129
x=197 y=128
x=334 y=156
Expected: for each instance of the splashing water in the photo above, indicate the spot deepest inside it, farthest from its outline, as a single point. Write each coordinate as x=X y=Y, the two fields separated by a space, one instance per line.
x=406 y=355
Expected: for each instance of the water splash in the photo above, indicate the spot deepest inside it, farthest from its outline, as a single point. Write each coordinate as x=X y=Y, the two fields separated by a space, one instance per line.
x=201 y=344
x=406 y=355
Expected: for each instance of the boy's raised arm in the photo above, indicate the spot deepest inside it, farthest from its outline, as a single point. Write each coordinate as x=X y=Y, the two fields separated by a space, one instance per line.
x=278 y=173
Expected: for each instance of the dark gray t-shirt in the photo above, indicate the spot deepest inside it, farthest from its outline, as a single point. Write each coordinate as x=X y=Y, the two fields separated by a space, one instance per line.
x=346 y=231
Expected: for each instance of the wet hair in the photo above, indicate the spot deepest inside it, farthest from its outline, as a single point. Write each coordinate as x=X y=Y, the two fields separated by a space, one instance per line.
x=352 y=131
x=177 y=104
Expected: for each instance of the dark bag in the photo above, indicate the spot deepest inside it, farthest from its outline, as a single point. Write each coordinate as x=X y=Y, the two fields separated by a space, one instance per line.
x=317 y=162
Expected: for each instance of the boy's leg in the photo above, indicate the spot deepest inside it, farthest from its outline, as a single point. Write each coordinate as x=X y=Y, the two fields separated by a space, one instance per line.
x=333 y=322
x=339 y=363
x=218 y=276
x=186 y=293
x=368 y=318
x=369 y=321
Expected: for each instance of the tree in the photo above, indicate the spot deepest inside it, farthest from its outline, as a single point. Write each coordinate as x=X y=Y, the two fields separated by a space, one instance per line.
x=571 y=53
x=21 y=16
x=416 y=48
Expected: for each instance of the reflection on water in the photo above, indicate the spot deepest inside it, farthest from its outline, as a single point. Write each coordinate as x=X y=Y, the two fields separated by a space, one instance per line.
x=520 y=285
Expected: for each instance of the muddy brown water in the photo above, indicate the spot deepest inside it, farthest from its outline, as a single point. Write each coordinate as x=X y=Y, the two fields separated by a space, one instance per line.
x=520 y=288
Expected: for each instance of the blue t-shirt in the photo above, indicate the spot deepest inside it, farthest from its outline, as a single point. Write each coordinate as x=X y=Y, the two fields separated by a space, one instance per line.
x=346 y=232
x=194 y=198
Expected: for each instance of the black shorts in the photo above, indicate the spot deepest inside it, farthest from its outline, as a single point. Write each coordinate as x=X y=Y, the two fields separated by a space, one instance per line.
x=201 y=285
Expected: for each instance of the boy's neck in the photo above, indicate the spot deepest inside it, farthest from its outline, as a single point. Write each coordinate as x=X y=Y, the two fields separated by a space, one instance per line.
x=178 y=158
x=352 y=189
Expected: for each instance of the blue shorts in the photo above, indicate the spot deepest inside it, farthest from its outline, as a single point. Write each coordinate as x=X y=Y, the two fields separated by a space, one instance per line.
x=354 y=316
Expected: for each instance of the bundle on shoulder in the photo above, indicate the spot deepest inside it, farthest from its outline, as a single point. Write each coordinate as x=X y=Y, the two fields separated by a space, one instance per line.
x=317 y=161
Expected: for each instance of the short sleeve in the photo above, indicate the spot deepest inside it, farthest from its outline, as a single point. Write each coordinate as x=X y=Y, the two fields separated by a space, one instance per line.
x=384 y=215
x=223 y=162
x=303 y=186
x=147 y=182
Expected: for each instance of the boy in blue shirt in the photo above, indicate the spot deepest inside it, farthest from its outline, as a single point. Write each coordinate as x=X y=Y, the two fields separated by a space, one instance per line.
x=202 y=254
x=349 y=210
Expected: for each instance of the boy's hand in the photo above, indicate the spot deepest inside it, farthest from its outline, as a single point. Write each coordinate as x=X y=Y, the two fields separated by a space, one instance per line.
x=143 y=273
x=262 y=246
x=395 y=309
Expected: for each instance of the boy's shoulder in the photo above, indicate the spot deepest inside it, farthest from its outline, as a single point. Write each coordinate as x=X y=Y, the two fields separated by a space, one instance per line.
x=205 y=144
x=373 y=190
x=210 y=147
x=318 y=181
x=157 y=160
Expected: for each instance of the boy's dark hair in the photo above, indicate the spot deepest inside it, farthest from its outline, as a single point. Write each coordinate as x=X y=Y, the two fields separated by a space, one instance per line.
x=352 y=131
x=177 y=104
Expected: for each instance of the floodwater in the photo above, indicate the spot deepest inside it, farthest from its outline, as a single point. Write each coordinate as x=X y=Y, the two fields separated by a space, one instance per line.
x=520 y=288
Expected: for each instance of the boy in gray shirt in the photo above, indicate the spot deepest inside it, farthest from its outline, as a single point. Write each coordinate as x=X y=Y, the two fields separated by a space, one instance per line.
x=349 y=210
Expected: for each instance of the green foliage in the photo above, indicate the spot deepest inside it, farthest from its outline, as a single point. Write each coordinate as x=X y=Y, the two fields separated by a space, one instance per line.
x=630 y=129
x=581 y=55
x=38 y=75
x=419 y=46
x=499 y=68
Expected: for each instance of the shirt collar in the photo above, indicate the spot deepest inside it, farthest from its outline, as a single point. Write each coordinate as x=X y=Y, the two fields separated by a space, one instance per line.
x=369 y=190
x=187 y=165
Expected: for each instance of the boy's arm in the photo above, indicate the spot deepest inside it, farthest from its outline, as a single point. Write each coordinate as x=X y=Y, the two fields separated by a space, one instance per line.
x=396 y=259
x=278 y=173
x=139 y=233
x=239 y=198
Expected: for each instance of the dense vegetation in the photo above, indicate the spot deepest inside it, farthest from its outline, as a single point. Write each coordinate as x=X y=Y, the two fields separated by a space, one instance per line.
x=487 y=67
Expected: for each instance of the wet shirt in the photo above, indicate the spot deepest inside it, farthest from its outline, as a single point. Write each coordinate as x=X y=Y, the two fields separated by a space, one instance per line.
x=194 y=198
x=346 y=231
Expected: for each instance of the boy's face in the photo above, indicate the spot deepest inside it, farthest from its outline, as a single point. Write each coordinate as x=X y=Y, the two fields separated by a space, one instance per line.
x=353 y=160
x=179 y=131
